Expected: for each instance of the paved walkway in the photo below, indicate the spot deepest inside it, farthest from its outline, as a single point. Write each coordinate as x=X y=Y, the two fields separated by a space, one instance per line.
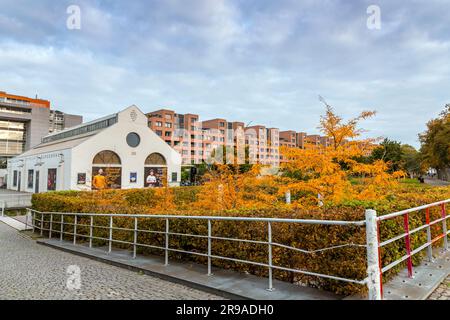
x=32 y=271
x=443 y=292
x=436 y=182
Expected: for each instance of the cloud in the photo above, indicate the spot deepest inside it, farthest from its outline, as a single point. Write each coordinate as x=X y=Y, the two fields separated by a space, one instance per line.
x=252 y=60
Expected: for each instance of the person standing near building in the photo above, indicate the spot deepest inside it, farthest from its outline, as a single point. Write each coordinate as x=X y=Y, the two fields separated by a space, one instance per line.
x=99 y=181
x=151 y=179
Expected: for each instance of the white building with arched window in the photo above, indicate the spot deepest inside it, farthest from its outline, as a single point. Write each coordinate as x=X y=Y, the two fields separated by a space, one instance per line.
x=120 y=146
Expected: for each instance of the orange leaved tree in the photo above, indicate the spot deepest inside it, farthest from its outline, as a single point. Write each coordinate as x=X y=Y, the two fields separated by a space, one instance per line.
x=331 y=173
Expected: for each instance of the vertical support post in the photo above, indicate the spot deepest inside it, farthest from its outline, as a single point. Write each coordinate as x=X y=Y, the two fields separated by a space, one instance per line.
x=209 y=247
x=166 y=254
x=51 y=226
x=110 y=233
x=91 y=227
x=373 y=260
x=430 y=244
x=33 y=221
x=288 y=196
x=61 y=233
x=444 y=226
x=42 y=224
x=269 y=241
x=135 y=237
x=75 y=221
x=26 y=219
x=3 y=208
x=408 y=245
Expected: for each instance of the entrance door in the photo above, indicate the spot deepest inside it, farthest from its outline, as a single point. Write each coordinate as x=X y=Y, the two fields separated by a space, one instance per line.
x=36 y=186
x=20 y=180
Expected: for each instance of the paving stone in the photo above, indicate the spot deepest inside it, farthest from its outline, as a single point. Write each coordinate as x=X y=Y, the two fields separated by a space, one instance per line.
x=442 y=292
x=32 y=271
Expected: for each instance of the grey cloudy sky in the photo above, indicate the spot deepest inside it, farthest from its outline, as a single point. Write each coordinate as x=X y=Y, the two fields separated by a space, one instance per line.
x=247 y=60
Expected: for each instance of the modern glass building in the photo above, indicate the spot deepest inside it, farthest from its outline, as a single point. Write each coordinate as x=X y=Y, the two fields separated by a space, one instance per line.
x=24 y=121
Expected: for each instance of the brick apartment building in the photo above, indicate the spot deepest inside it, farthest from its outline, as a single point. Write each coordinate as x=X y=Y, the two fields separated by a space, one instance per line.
x=197 y=141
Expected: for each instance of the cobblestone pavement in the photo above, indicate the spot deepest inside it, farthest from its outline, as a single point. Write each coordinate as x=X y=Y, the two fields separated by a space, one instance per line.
x=442 y=292
x=32 y=271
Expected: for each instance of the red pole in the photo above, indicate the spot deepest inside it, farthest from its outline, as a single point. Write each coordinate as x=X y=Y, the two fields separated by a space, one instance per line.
x=408 y=245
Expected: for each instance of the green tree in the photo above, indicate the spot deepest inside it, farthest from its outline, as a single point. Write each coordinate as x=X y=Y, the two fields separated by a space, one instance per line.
x=411 y=160
x=435 y=144
x=389 y=151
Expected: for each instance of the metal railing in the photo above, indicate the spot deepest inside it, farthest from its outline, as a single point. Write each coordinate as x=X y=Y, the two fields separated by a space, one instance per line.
x=371 y=223
x=14 y=200
x=41 y=223
x=406 y=236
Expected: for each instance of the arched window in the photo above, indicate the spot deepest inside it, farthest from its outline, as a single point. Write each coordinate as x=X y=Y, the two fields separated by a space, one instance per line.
x=106 y=163
x=155 y=159
x=106 y=157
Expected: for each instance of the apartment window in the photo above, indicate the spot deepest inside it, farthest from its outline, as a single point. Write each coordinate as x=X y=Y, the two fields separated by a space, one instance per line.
x=159 y=132
x=222 y=131
x=168 y=134
x=222 y=124
x=168 y=125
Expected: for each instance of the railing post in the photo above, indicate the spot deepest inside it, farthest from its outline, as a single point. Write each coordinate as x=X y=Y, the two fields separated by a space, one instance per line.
x=91 y=227
x=75 y=221
x=408 y=245
x=430 y=244
x=26 y=219
x=135 y=237
x=61 y=233
x=269 y=241
x=166 y=254
x=33 y=220
x=209 y=247
x=373 y=260
x=444 y=226
x=110 y=233
x=51 y=226
x=3 y=208
x=42 y=223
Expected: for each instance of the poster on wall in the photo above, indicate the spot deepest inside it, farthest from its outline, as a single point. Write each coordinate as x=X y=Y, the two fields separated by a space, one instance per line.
x=155 y=177
x=51 y=180
x=113 y=176
x=81 y=178
x=30 y=179
x=133 y=177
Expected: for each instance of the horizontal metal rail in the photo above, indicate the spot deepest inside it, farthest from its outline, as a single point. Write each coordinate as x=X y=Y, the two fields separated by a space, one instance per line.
x=53 y=226
x=403 y=212
x=159 y=216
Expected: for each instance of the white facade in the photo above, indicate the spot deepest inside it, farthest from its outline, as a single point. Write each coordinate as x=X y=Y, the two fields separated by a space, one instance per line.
x=71 y=153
